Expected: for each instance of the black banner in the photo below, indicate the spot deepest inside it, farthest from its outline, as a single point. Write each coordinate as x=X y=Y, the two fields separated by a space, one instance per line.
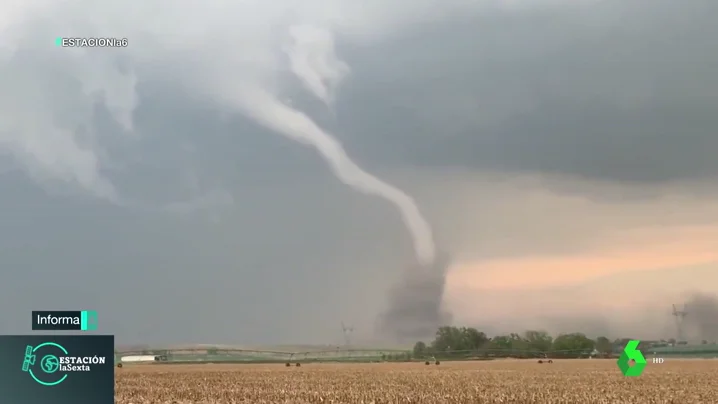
x=57 y=369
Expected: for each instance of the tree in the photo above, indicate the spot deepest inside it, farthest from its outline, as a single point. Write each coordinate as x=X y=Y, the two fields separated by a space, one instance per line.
x=575 y=343
x=604 y=345
x=458 y=339
x=519 y=343
x=501 y=342
x=473 y=338
x=538 y=340
x=419 y=349
x=447 y=338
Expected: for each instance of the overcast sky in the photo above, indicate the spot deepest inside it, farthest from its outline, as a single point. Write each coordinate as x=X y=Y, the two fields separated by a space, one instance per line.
x=564 y=153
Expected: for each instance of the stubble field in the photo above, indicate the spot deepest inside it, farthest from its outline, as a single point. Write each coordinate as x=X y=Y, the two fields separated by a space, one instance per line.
x=502 y=381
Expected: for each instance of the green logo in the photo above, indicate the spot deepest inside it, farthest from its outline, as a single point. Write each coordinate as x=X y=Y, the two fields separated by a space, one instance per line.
x=49 y=364
x=631 y=353
x=54 y=363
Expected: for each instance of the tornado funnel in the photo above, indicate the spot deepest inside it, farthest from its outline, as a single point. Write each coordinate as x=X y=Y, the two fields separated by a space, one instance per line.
x=415 y=304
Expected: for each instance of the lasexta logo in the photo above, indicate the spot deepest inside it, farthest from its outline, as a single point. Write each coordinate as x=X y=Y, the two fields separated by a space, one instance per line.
x=55 y=363
x=50 y=353
x=631 y=362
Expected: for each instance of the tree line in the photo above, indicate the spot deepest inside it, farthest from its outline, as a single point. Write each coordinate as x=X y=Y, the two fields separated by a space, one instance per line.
x=457 y=342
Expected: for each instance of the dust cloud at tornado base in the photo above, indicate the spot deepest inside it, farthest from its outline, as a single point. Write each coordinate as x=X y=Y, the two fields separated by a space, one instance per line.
x=415 y=307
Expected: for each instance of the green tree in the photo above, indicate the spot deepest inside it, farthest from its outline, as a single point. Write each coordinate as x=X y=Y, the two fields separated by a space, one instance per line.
x=419 y=349
x=473 y=339
x=519 y=343
x=573 y=344
x=501 y=342
x=448 y=339
x=539 y=341
x=604 y=345
x=453 y=339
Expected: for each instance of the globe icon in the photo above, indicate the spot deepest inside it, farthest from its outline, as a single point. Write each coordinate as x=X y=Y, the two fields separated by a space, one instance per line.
x=50 y=364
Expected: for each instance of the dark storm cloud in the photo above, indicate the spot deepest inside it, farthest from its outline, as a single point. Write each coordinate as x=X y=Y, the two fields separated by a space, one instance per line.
x=607 y=92
x=620 y=91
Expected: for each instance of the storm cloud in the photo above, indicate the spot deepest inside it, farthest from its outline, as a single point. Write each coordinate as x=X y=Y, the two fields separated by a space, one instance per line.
x=553 y=146
x=615 y=91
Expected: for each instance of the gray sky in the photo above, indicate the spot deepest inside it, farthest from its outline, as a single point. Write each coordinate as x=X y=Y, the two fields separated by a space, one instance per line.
x=553 y=146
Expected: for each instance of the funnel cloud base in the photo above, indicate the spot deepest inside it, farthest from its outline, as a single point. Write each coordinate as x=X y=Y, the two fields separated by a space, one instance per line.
x=415 y=304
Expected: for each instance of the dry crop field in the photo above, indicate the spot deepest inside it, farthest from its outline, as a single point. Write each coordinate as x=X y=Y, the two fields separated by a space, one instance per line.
x=501 y=381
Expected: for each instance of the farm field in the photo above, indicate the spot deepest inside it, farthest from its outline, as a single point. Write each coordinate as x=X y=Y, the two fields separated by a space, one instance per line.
x=501 y=381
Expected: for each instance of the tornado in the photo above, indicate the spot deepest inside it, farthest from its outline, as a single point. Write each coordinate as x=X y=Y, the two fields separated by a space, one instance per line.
x=313 y=61
x=415 y=308
x=702 y=319
x=415 y=303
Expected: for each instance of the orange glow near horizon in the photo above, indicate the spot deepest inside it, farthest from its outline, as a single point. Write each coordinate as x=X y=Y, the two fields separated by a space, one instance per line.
x=642 y=250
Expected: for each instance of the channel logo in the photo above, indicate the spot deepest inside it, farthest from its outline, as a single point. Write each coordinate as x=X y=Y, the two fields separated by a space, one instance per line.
x=631 y=362
x=55 y=363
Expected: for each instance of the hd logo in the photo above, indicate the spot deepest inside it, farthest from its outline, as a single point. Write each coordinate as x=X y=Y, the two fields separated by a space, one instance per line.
x=55 y=363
